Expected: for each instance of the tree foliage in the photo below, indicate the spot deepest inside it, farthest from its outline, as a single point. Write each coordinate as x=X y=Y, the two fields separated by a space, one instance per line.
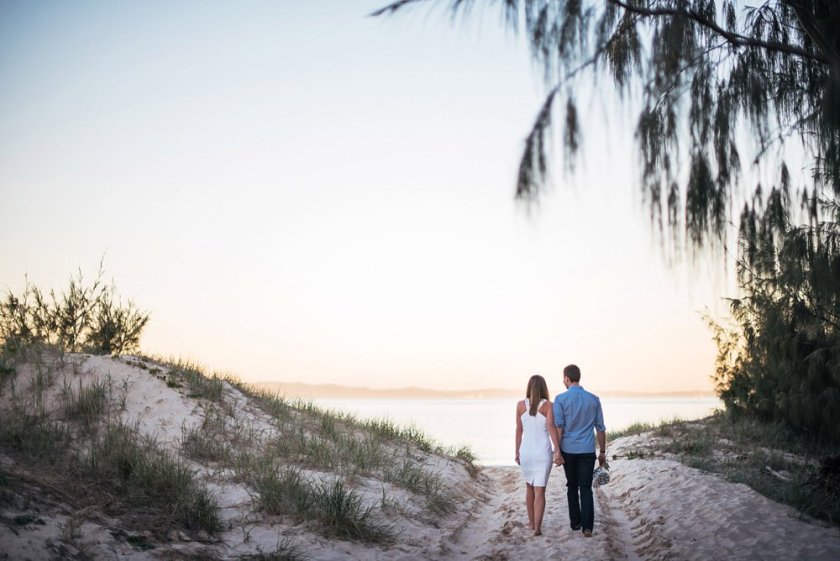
x=705 y=70
x=721 y=86
x=84 y=318
x=781 y=359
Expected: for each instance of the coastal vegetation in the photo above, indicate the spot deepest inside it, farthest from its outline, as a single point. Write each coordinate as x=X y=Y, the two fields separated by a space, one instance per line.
x=74 y=437
x=769 y=457
x=86 y=317
x=716 y=85
x=67 y=432
x=73 y=440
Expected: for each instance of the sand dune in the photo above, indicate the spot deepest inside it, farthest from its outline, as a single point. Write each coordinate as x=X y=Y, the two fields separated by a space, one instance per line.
x=654 y=509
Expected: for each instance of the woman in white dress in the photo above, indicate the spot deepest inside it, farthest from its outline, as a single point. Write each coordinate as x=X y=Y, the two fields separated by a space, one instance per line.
x=535 y=435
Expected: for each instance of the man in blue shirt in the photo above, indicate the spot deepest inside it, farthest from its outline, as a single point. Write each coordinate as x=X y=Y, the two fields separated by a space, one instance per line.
x=578 y=415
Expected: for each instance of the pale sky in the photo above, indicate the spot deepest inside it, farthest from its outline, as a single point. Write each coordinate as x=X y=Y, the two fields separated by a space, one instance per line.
x=298 y=192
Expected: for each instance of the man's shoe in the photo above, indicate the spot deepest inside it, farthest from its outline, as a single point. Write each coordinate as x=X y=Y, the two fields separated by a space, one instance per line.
x=576 y=528
x=587 y=533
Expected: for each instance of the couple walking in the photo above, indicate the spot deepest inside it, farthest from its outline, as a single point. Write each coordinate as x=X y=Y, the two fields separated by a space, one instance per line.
x=568 y=427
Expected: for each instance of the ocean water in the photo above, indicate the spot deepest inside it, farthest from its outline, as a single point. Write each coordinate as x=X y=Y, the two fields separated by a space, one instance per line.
x=487 y=426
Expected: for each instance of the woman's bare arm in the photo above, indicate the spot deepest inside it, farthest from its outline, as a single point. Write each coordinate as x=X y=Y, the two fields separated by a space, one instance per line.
x=552 y=433
x=520 y=408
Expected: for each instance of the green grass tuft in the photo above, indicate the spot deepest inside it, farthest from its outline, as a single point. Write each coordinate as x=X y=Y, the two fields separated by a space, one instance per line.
x=200 y=385
x=87 y=405
x=284 y=491
x=341 y=512
x=336 y=510
x=414 y=478
x=145 y=477
x=199 y=445
x=35 y=435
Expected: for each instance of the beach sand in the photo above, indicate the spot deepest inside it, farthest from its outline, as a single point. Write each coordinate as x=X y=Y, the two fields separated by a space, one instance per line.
x=653 y=509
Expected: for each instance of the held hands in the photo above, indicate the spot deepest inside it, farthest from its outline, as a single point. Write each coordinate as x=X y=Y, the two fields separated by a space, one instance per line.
x=558 y=458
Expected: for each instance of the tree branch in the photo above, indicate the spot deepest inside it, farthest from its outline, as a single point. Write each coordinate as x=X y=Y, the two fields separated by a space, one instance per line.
x=814 y=31
x=393 y=7
x=671 y=86
x=528 y=177
x=733 y=38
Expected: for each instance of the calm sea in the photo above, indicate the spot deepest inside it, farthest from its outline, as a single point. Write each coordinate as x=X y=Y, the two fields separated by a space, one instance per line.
x=487 y=425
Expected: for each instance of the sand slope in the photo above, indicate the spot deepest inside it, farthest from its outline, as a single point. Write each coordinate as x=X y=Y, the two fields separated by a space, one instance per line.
x=654 y=509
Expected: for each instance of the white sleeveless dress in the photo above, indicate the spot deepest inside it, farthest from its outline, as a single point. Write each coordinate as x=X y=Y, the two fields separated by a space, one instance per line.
x=535 y=448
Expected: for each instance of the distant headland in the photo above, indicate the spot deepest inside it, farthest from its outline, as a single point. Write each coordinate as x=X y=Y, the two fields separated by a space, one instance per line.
x=336 y=391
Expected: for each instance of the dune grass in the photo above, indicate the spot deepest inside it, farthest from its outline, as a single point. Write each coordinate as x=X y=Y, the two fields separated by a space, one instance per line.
x=158 y=492
x=329 y=421
x=335 y=510
x=766 y=456
x=85 y=404
x=338 y=441
x=305 y=438
x=36 y=436
x=83 y=447
x=145 y=477
x=326 y=423
x=200 y=385
x=409 y=476
x=199 y=445
x=181 y=373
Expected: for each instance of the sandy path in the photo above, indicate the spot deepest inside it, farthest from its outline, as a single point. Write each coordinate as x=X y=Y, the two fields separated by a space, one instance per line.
x=677 y=512
x=498 y=529
x=653 y=510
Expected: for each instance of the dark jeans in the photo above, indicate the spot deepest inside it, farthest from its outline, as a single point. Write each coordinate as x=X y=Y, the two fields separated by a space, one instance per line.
x=578 y=468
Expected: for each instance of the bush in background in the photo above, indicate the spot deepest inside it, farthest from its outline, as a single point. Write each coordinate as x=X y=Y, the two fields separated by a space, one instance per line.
x=84 y=318
x=780 y=362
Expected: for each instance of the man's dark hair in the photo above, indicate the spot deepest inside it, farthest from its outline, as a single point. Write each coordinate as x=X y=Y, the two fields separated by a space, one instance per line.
x=572 y=372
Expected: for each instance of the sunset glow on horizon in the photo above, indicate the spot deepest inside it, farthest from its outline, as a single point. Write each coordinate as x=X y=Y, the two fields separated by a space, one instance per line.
x=302 y=193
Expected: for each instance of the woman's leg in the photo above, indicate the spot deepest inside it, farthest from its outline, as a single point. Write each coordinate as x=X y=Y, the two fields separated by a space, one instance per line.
x=539 y=509
x=529 y=504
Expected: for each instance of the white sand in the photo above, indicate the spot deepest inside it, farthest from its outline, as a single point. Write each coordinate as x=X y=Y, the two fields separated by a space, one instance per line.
x=654 y=509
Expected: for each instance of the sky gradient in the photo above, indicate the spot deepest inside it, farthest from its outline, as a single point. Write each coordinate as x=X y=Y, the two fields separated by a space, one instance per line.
x=298 y=192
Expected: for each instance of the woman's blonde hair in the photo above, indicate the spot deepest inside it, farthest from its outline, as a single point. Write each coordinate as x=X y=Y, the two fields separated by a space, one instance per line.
x=536 y=391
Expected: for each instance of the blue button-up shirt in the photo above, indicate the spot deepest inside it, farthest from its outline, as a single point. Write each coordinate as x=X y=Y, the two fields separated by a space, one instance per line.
x=578 y=412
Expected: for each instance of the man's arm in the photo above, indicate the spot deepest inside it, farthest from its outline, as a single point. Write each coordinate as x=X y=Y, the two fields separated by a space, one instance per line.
x=559 y=461
x=602 y=447
x=601 y=432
